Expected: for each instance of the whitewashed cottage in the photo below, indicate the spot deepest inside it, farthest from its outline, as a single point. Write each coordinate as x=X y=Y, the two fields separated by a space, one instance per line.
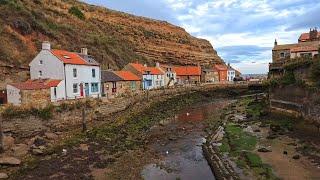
x=79 y=73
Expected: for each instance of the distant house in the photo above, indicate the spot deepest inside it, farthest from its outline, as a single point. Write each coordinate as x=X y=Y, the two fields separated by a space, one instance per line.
x=308 y=51
x=119 y=83
x=37 y=92
x=79 y=72
x=151 y=77
x=222 y=71
x=170 y=76
x=209 y=75
x=188 y=74
x=231 y=73
x=313 y=35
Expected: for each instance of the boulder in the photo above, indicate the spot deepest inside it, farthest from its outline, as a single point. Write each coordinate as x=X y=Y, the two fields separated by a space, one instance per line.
x=37 y=152
x=39 y=141
x=9 y=161
x=4 y=176
x=20 y=150
x=264 y=149
x=51 y=136
x=297 y=156
x=8 y=142
x=84 y=147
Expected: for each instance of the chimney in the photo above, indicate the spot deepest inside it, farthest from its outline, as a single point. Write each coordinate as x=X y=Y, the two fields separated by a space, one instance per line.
x=275 y=42
x=84 y=51
x=46 y=45
x=157 y=64
x=145 y=65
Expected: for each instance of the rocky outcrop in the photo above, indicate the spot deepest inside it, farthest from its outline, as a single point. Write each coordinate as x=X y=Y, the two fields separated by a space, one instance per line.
x=114 y=38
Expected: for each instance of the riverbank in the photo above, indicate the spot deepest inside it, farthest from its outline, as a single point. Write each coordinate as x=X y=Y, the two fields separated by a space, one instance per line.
x=257 y=144
x=112 y=148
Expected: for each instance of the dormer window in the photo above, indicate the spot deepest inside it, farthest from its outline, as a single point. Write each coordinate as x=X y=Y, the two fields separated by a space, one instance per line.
x=40 y=62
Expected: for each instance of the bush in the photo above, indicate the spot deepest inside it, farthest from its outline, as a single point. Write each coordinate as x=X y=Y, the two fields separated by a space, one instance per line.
x=76 y=12
x=315 y=72
x=19 y=112
x=288 y=78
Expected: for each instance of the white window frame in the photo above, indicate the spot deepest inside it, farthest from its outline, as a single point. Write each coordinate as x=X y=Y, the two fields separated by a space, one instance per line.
x=94 y=90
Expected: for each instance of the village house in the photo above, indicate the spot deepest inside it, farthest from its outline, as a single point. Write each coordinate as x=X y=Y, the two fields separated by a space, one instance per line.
x=37 y=92
x=170 y=77
x=79 y=73
x=208 y=75
x=188 y=74
x=151 y=77
x=222 y=71
x=119 y=83
x=307 y=47
x=231 y=73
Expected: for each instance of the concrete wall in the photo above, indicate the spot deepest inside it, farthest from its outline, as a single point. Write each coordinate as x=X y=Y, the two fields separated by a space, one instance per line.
x=60 y=92
x=13 y=95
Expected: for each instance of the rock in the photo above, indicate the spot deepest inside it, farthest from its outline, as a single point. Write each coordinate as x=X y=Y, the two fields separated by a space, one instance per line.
x=42 y=148
x=264 y=149
x=20 y=150
x=272 y=136
x=8 y=142
x=297 y=156
x=4 y=176
x=9 y=161
x=37 y=152
x=248 y=129
x=39 y=141
x=51 y=136
x=275 y=128
x=84 y=147
x=285 y=152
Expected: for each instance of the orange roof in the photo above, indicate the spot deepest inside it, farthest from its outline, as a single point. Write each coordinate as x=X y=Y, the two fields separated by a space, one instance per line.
x=69 y=57
x=127 y=76
x=304 y=49
x=306 y=36
x=142 y=69
x=220 y=67
x=37 y=84
x=187 y=70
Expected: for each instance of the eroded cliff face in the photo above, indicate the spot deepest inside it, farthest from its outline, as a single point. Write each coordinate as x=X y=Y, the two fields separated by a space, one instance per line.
x=112 y=37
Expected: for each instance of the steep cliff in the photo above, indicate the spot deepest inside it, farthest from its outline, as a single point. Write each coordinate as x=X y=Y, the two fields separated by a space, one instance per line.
x=114 y=38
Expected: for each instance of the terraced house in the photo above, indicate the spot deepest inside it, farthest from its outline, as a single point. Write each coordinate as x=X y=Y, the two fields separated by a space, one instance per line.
x=151 y=77
x=78 y=73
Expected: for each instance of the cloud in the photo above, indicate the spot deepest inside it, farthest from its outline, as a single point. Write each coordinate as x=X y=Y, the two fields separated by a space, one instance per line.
x=242 y=31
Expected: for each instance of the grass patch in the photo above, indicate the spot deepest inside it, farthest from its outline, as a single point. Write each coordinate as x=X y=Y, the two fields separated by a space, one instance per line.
x=253 y=159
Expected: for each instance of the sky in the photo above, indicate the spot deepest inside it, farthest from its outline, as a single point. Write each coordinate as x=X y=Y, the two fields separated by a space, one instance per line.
x=242 y=31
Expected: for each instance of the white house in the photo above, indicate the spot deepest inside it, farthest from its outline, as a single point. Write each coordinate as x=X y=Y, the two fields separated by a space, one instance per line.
x=151 y=77
x=231 y=73
x=79 y=72
x=170 y=76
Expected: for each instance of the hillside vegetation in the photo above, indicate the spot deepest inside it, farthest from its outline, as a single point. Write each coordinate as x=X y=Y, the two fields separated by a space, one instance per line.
x=114 y=38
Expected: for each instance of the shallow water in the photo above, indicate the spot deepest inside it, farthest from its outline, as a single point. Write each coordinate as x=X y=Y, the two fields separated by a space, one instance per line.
x=178 y=141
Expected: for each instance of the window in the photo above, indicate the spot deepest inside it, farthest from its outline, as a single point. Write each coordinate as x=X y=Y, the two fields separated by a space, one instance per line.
x=133 y=85
x=94 y=87
x=149 y=83
x=40 y=74
x=40 y=62
x=75 y=88
x=107 y=87
x=93 y=73
x=75 y=73
x=55 y=92
x=282 y=55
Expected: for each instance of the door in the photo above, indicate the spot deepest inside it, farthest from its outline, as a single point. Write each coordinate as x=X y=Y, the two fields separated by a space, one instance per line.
x=87 y=89
x=81 y=90
x=114 y=87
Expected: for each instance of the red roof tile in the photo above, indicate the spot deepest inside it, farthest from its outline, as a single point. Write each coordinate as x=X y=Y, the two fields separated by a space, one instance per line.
x=37 y=84
x=142 y=69
x=127 y=76
x=187 y=70
x=69 y=57
x=304 y=49
x=306 y=36
x=220 y=67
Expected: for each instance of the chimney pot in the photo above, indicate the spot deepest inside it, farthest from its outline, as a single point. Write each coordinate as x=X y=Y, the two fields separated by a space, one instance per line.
x=84 y=51
x=46 y=45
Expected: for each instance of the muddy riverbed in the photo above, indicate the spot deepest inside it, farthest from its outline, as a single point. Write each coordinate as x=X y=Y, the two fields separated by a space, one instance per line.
x=178 y=141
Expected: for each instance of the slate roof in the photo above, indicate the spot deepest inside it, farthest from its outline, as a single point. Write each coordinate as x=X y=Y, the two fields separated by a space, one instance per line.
x=109 y=76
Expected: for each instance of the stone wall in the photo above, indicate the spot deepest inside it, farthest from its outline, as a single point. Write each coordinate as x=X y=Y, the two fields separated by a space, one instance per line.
x=276 y=55
x=35 y=98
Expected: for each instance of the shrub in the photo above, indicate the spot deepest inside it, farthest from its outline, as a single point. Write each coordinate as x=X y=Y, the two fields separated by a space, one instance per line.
x=253 y=159
x=46 y=113
x=288 y=78
x=315 y=72
x=76 y=12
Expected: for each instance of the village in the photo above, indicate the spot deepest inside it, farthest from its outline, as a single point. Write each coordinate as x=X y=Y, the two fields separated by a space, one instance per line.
x=59 y=75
